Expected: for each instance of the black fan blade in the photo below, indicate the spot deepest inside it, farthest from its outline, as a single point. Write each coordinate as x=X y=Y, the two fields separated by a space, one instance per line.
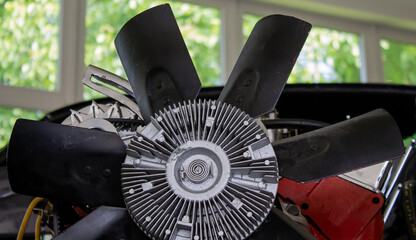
x=156 y=60
x=265 y=63
x=355 y=143
x=64 y=163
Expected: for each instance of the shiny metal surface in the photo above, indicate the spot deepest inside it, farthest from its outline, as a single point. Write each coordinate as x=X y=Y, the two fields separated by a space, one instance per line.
x=102 y=76
x=200 y=170
x=372 y=178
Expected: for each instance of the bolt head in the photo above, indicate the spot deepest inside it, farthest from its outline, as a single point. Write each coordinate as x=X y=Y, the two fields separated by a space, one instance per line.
x=292 y=209
x=87 y=170
x=106 y=172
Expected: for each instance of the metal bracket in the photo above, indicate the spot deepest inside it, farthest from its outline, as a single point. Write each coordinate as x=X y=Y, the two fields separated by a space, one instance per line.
x=394 y=186
x=103 y=76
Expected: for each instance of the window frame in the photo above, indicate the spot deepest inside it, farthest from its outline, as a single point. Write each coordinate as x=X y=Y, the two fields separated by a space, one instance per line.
x=70 y=66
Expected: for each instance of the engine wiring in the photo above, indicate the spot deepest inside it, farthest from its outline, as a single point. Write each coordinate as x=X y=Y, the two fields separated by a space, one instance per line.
x=35 y=202
x=38 y=226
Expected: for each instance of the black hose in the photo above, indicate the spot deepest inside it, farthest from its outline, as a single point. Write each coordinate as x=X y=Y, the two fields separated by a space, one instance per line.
x=304 y=124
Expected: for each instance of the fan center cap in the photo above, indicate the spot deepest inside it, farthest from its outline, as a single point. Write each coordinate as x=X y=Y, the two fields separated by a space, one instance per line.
x=198 y=170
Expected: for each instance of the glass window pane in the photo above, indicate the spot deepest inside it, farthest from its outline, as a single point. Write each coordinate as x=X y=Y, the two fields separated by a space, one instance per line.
x=200 y=27
x=328 y=56
x=249 y=20
x=399 y=62
x=8 y=117
x=29 y=43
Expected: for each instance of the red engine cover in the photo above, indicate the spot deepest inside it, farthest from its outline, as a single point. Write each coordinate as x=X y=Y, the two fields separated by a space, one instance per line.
x=337 y=209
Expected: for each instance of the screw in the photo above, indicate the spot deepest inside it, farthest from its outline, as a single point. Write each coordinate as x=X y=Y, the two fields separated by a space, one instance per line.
x=209 y=123
x=165 y=100
x=185 y=219
x=292 y=209
x=87 y=170
x=159 y=84
x=294 y=153
x=198 y=170
x=247 y=82
x=315 y=148
x=239 y=99
x=106 y=172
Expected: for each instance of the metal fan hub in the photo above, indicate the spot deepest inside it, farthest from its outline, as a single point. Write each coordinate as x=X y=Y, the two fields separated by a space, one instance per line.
x=198 y=170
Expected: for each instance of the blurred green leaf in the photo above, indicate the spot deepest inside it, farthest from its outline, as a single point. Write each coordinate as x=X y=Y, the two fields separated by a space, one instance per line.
x=328 y=56
x=399 y=62
x=29 y=47
x=200 y=27
x=8 y=117
x=29 y=43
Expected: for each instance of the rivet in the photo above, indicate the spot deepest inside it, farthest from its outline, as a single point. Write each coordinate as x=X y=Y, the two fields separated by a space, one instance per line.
x=106 y=172
x=239 y=99
x=247 y=82
x=87 y=170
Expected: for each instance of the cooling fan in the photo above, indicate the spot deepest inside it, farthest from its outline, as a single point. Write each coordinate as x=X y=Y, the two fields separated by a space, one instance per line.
x=198 y=169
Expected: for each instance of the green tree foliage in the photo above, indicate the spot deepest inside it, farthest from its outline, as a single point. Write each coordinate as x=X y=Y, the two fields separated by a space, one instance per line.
x=29 y=47
x=328 y=56
x=28 y=52
x=29 y=43
x=8 y=117
x=200 y=27
x=399 y=60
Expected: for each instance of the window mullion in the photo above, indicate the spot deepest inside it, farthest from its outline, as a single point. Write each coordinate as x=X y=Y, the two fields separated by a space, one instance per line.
x=231 y=37
x=72 y=45
x=372 y=66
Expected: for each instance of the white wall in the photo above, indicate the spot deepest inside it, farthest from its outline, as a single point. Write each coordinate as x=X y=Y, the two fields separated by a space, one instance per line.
x=395 y=13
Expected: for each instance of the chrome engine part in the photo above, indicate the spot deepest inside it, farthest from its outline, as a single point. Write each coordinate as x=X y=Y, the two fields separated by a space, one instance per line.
x=200 y=170
x=97 y=111
x=123 y=112
x=96 y=116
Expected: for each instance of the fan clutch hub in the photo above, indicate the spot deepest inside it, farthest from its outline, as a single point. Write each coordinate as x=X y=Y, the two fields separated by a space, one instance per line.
x=200 y=170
